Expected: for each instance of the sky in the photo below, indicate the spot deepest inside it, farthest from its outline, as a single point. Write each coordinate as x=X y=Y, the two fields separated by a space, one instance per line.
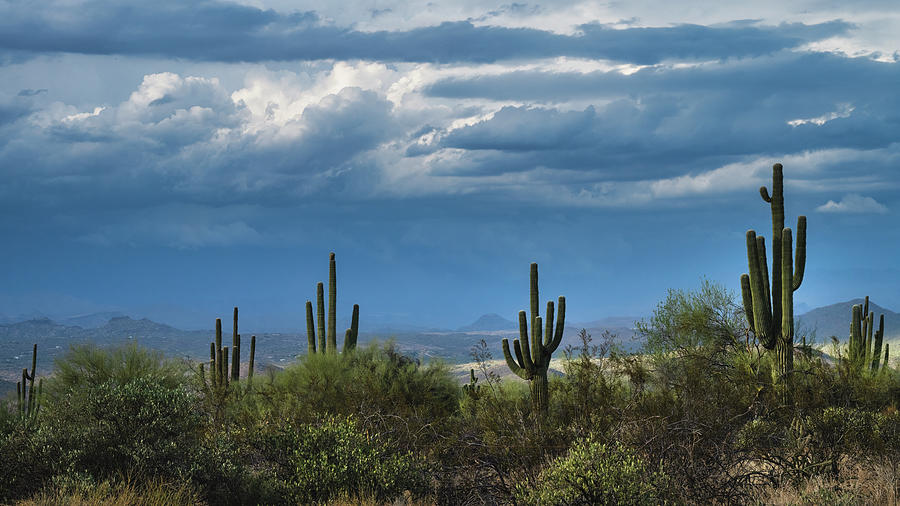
x=174 y=159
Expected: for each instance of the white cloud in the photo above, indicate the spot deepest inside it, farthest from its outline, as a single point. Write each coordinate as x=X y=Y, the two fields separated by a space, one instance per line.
x=843 y=112
x=853 y=203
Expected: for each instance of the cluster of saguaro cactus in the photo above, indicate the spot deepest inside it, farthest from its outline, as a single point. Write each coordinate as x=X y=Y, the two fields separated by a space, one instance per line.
x=865 y=342
x=532 y=361
x=770 y=307
x=221 y=371
x=28 y=402
x=328 y=343
x=472 y=389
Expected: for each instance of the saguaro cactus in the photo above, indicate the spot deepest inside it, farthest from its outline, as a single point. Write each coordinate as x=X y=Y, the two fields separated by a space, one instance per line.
x=865 y=342
x=533 y=360
x=328 y=343
x=770 y=309
x=28 y=403
x=221 y=373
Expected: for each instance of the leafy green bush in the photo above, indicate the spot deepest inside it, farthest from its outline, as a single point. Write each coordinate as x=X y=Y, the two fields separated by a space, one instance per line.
x=143 y=426
x=316 y=463
x=594 y=473
x=86 y=365
x=398 y=397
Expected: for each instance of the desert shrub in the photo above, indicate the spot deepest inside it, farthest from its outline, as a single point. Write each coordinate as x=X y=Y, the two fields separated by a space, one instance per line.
x=386 y=391
x=588 y=389
x=24 y=466
x=594 y=472
x=700 y=380
x=86 y=365
x=313 y=463
x=143 y=426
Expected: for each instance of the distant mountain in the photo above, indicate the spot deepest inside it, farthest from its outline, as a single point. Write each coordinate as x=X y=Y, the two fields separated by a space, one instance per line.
x=90 y=321
x=834 y=320
x=489 y=323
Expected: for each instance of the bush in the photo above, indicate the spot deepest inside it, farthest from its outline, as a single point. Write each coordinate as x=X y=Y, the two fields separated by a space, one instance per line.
x=335 y=459
x=86 y=365
x=143 y=426
x=594 y=472
x=392 y=394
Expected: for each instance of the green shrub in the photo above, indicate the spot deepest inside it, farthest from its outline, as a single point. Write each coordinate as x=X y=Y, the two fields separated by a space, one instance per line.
x=392 y=394
x=143 y=426
x=86 y=365
x=316 y=463
x=594 y=473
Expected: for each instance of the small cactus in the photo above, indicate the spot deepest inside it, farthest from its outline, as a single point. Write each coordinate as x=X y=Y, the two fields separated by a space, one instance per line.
x=472 y=388
x=29 y=403
x=327 y=343
x=865 y=342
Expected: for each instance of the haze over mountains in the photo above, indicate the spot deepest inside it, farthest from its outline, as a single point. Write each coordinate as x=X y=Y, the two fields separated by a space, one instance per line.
x=54 y=337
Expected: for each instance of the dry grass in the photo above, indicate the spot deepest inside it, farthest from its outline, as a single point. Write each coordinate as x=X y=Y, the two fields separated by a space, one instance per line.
x=869 y=482
x=124 y=493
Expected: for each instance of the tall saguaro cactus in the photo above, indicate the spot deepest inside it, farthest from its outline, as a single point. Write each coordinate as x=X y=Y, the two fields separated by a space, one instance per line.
x=865 y=341
x=532 y=361
x=327 y=343
x=28 y=403
x=770 y=308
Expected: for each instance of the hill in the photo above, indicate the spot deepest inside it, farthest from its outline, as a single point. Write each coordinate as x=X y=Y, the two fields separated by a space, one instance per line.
x=490 y=322
x=834 y=320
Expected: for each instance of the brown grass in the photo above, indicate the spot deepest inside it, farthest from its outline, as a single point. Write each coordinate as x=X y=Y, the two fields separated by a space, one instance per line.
x=124 y=493
x=869 y=482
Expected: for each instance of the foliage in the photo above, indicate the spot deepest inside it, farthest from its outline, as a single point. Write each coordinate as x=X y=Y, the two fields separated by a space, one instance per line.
x=334 y=458
x=143 y=425
x=87 y=365
x=387 y=392
x=594 y=472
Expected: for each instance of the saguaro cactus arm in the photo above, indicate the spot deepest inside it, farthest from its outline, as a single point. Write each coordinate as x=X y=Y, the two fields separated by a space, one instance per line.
x=352 y=333
x=310 y=329
x=320 y=316
x=332 y=305
x=514 y=366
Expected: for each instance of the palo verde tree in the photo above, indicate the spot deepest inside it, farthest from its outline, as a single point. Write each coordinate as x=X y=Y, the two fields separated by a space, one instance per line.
x=533 y=360
x=770 y=306
x=328 y=343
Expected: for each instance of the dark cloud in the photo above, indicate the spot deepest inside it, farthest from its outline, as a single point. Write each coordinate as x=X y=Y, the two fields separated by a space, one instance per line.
x=663 y=120
x=190 y=148
x=218 y=31
x=31 y=93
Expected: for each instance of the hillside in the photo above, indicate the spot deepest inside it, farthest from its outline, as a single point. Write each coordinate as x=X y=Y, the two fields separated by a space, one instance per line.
x=834 y=320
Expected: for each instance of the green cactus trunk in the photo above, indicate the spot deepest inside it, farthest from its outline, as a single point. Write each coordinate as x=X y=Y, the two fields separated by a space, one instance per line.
x=540 y=393
x=532 y=360
x=770 y=308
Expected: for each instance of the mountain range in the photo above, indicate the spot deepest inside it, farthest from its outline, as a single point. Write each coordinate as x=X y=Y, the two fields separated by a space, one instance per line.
x=54 y=337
